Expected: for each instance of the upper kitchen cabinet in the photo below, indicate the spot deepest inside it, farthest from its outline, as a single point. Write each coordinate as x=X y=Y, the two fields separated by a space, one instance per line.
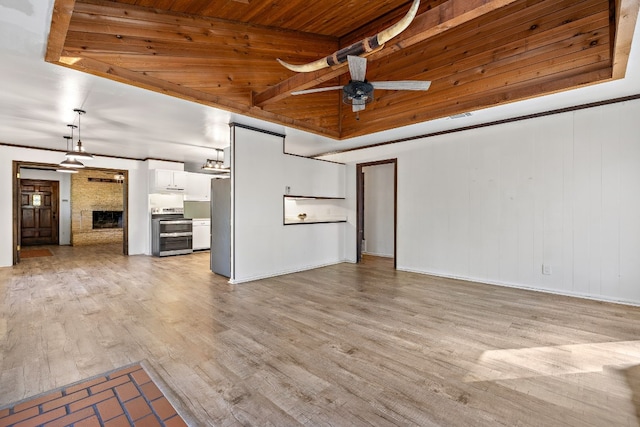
x=315 y=178
x=198 y=187
x=167 y=181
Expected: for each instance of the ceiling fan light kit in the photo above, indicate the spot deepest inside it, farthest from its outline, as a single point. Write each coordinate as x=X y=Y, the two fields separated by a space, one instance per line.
x=359 y=91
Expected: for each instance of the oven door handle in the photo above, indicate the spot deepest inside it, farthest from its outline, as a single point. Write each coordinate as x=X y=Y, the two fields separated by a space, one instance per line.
x=177 y=221
x=185 y=234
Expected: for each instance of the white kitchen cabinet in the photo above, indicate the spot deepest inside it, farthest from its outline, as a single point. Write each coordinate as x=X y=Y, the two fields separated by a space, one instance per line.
x=201 y=234
x=168 y=181
x=198 y=187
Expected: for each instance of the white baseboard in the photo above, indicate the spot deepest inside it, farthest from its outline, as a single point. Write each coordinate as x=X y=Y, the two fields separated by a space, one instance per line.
x=283 y=272
x=524 y=286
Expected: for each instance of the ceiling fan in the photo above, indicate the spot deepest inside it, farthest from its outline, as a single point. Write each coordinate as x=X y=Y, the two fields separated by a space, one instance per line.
x=359 y=92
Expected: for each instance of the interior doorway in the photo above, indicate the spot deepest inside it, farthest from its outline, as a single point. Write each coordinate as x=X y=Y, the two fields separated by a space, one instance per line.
x=38 y=212
x=62 y=202
x=385 y=193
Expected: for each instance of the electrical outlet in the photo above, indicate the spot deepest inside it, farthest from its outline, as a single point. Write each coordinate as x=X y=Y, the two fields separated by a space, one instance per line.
x=546 y=269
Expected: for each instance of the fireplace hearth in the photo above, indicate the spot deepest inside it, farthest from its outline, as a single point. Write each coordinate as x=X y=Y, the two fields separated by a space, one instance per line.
x=107 y=219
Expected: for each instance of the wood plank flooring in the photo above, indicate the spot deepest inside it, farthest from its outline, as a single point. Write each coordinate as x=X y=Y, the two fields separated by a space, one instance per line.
x=341 y=345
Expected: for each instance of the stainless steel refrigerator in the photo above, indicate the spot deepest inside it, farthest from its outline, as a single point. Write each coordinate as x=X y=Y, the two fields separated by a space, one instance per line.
x=221 y=226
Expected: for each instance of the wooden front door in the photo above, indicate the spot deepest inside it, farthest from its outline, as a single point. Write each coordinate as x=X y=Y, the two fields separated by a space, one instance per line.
x=39 y=212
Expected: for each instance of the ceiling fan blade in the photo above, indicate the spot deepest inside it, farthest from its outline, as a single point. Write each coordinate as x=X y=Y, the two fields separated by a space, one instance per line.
x=357 y=67
x=402 y=85
x=318 y=89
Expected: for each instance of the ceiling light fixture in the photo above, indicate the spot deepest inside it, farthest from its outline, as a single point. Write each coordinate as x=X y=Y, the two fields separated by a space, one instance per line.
x=78 y=152
x=70 y=162
x=215 y=165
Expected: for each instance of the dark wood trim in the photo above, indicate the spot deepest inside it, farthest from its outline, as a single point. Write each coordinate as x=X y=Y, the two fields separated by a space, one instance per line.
x=268 y=132
x=395 y=214
x=359 y=211
x=284 y=137
x=55 y=150
x=310 y=158
x=232 y=261
x=18 y=164
x=360 y=207
x=125 y=213
x=488 y=124
x=17 y=221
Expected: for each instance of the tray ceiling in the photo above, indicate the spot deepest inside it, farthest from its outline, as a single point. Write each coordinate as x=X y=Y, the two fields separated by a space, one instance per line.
x=222 y=53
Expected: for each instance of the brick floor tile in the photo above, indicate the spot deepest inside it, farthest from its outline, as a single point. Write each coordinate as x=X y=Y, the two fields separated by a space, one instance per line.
x=109 y=401
x=163 y=408
x=109 y=384
x=85 y=384
x=64 y=400
x=121 y=421
x=125 y=371
x=88 y=422
x=38 y=401
x=127 y=391
x=151 y=391
x=14 y=418
x=43 y=418
x=91 y=400
x=72 y=418
x=109 y=409
x=175 y=422
x=140 y=377
x=148 y=421
x=137 y=408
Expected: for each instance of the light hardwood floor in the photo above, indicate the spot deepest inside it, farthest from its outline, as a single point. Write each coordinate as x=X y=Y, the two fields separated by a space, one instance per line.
x=341 y=345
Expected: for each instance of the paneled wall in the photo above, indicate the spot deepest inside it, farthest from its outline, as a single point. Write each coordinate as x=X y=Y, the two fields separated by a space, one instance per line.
x=551 y=203
x=263 y=246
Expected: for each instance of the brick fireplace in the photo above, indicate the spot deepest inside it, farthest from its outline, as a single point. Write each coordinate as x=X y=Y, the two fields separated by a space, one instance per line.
x=96 y=208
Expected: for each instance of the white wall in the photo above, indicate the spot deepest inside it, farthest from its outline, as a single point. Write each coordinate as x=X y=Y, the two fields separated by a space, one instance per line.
x=139 y=219
x=263 y=246
x=497 y=204
x=378 y=209
x=64 y=199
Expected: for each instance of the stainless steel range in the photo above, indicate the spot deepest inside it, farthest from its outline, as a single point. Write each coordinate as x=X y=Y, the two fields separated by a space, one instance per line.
x=172 y=233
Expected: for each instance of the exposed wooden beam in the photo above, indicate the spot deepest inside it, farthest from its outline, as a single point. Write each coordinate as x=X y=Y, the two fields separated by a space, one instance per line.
x=144 y=81
x=62 y=11
x=429 y=24
x=626 y=17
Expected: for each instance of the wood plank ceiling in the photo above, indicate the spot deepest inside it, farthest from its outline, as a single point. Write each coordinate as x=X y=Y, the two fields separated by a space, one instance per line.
x=477 y=53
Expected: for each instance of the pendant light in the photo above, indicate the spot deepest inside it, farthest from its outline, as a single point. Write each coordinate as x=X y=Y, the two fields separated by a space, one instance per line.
x=78 y=152
x=215 y=165
x=66 y=169
x=70 y=162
